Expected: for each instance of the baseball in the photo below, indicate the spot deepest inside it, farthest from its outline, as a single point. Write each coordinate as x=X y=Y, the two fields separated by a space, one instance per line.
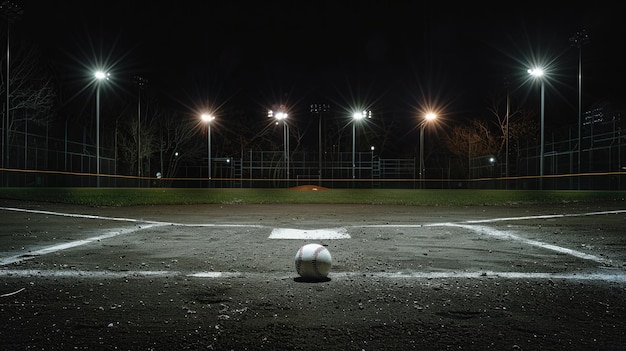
x=313 y=261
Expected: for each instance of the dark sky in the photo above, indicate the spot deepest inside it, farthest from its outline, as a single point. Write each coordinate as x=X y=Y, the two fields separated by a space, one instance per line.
x=388 y=56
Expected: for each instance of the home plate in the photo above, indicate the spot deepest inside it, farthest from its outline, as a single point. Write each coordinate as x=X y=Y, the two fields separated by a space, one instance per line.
x=288 y=233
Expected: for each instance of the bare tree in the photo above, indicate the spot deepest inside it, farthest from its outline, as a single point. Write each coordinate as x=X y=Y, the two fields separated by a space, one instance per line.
x=133 y=147
x=176 y=140
x=31 y=94
x=488 y=137
x=130 y=151
x=475 y=139
x=471 y=141
x=516 y=125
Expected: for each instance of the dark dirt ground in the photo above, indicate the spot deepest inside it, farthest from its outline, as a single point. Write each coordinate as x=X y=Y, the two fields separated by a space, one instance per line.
x=207 y=277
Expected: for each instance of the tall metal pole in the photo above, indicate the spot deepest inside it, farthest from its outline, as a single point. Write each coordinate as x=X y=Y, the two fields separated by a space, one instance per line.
x=282 y=116
x=98 y=134
x=209 y=149
x=539 y=74
x=422 y=156
x=506 y=132
x=578 y=40
x=580 y=117
x=506 y=172
x=6 y=115
x=319 y=151
x=430 y=116
x=353 y=146
x=139 y=133
x=26 y=141
x=542 y=134
x=140 y=81
x=208 y=119
x=99 y=77
x=11 y=12
x=286 y=143
x=356 y=117
x=319 y=109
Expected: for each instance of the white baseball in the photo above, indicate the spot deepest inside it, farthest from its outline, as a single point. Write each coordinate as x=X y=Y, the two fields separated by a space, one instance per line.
x=313 y=261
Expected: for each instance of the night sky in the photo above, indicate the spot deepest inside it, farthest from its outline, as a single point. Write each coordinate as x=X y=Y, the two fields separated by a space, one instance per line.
x=387 y=56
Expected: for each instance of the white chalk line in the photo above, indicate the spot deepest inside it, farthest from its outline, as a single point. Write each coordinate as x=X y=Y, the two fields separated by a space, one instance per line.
x=490 y=220
x=70 y=273
x=74 y=215
x=133 y=220
x=50 y=249
x=611 y=277
x=13 y=293
x=309 y=234
x=510 y=236
x=31 y=273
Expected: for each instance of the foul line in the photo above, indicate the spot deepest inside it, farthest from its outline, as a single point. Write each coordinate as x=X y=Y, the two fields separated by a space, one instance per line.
x=121 y=219
x=74 y=215
x=545 y=216
x=490 y=220
x=606 y=277
x=478 y=221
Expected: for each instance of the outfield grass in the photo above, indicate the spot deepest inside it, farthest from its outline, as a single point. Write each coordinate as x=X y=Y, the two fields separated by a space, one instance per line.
x=119 y=197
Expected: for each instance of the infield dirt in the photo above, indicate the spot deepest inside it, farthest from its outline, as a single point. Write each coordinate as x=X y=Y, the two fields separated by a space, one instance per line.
x=208 y=277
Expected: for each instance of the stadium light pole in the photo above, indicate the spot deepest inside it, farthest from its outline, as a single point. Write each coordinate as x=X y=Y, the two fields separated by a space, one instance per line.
x=319 y=109
x=12 y=12
x=538 y=73
x=140 y=82
x=357 y=116
x=430 y=116
x=100 y=76
x=578 y=40
x=508 y=109
x=281 y=116
x=207 y=118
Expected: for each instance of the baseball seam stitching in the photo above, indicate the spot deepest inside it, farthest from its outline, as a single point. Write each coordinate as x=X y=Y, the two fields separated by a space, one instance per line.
x=299 y=261
x=314 y=260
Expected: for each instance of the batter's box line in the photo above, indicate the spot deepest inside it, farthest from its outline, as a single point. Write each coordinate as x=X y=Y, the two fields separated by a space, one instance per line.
x=54 y=248
x=506 y=235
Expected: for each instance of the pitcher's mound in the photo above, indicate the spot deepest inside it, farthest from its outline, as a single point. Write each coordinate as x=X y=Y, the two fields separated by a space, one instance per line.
x=308 y=187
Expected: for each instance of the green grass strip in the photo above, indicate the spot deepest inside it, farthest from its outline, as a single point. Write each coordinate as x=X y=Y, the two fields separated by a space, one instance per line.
x=119 y=197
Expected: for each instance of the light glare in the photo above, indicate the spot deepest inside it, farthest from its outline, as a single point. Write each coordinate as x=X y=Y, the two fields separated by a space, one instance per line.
x=207 y=117
x=362 y=115
x=278 y=115
x=537 y=72
x=101 y=75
